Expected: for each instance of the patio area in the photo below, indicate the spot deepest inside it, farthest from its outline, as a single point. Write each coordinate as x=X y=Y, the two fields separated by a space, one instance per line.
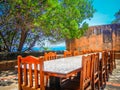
x=59 y=45
x=9 y=80
x=114 y=79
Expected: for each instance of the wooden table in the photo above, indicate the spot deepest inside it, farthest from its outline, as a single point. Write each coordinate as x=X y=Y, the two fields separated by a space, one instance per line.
x=62 y=68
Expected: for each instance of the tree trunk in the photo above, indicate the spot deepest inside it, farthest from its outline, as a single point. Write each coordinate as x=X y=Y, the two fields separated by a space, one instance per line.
x=5 y=42
x=70 y=44
x=24 y=33
x=33 y=42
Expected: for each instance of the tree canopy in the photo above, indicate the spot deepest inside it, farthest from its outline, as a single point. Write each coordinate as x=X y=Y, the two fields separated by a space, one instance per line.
x=117 y=17
x=16 y=25
x=32 y=20
x=66 y=18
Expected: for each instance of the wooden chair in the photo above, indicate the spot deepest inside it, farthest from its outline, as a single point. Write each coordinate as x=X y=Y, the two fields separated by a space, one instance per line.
x=50 y=56
x=75 y=53
x=67 y=53
x=29 y=78
x=86 y=73
x=95 y=72
x=107 y=64
x=84 y=52
x=113 y=59
x=103 y=70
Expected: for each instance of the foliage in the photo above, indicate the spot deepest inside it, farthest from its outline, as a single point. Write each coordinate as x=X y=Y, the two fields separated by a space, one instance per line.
x=66 y=18
x=27 y=21
x=16 y=25
x=46 y=48
x=117 y=17
x=7 y=31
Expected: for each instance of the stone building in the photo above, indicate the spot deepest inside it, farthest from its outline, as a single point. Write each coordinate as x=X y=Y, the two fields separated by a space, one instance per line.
x=102 y=37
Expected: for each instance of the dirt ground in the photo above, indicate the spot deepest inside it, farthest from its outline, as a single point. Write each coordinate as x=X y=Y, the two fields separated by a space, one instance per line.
x=9 y=79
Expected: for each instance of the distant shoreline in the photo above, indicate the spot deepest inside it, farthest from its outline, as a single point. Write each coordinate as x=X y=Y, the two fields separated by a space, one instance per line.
x=42 y=49
x=56 y=48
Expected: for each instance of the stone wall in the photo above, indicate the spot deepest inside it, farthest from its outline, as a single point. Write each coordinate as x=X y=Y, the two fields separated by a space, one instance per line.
x=117 y=55
x=8 y=65
x=103 y=37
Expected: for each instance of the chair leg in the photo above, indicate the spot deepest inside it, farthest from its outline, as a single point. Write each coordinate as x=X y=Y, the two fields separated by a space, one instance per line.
x=19 y=87
x=110 y=68
x=114 y=64
x=107 y=73
x=47 y=80
x=101 y=78
x=93 y=84
x=98 y=84
x=104 y=79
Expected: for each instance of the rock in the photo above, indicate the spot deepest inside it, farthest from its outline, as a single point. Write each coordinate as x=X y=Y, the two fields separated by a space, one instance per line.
x=5 y=82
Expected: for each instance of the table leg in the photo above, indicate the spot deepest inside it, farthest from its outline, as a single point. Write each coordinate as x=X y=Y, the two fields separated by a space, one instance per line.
x=54 y=82
x=78 y=75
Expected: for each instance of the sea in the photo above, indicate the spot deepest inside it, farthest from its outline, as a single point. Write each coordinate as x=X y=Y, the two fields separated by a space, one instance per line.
x=55 y=48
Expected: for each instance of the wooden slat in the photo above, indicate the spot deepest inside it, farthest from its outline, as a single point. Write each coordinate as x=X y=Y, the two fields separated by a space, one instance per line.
x=30 y=75
x=41 y=76
x=67 y=53
x=50 y=56
x=25 y=75
x=19 y=73
x=75 y=53
x=36 y=76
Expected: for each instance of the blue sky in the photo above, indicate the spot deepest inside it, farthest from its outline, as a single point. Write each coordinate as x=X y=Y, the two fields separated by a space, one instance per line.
x=105 y=10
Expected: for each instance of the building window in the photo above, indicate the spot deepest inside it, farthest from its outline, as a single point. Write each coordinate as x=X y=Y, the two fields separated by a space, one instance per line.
x=107 y=36
x=117 y=33
x=97 y=31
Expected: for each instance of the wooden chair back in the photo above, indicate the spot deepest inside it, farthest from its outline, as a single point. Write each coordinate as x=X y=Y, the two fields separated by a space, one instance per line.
x=29 y=78
x=75 y=53
x=85 y=51
x=114 y=63
x=67 y=53
x=50 y=55
x=96 y=71
x=112 y=60
x=103 y=69
x=103 y=60
x=107 y=64
x=86 y=73
x=96 y=62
